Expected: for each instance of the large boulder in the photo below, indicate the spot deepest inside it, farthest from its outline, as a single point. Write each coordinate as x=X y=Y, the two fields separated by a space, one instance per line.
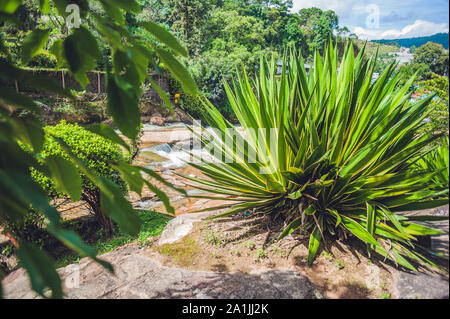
x=178 y=116
x=157 y=120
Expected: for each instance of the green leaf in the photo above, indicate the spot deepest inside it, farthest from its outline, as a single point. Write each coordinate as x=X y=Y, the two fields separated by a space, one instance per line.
x=9 y=6
x=132 y=175
x=66 y=176
x=57 y=49
x=29 y=131
x=164 y=36
x=296 y=223
x=114 y=12
x=44 y=5
x=426 y=218
x=73 y=241
x=128 y=5
x=41 y=270
x=295 y=195
x=11 y=97
x=371 y=212
x=33 y=43
x=109 y=133
x=81 y=52
x=123 y=106
x=114 y=204
x=314 y=243
x=178 y=71
x=336 y=215
x=15 y=185
x=420 y=205
x=421 y=230
x=162 y=196
x=358 y=231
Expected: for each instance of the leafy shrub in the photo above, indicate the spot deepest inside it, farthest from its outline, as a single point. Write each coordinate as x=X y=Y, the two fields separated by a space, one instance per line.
x=43 y=60
x=337 y=161
x=96 y=151
x=30 y=229
x=438 y=116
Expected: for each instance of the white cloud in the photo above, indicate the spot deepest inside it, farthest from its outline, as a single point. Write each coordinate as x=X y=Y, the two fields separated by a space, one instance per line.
x=417 y=29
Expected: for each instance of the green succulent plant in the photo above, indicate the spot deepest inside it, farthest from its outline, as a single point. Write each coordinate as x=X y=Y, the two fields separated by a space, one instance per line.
x=328 y=150
x=437 y=162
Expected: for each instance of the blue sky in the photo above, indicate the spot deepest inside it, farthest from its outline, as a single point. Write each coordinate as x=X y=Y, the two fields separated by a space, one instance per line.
x=386 y=19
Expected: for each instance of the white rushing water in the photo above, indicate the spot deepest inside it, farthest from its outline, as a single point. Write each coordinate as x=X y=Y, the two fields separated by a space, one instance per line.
x=173 y=147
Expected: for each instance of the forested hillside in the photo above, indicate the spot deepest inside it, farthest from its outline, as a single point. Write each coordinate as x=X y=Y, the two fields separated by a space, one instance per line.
x=440 y=38
x=220 y=36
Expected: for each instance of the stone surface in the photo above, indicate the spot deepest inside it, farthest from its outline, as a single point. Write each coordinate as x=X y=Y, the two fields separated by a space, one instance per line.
x=178 y=116
x=180 y=226
x=421 y=286
x=138 y=275
x=157 y=120
x=438 y=243
x=424 y=285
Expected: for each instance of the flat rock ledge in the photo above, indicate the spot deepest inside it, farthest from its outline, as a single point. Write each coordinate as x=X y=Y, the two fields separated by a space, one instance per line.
x=137 y=276
x=421 y=286
x=181 y=226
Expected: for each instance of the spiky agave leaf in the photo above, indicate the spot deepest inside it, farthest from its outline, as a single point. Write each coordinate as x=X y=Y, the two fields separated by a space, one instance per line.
x=436 y=161
x=327 y=150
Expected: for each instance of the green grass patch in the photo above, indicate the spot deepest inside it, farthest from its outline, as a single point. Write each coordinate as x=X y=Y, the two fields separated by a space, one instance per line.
x=181 y=252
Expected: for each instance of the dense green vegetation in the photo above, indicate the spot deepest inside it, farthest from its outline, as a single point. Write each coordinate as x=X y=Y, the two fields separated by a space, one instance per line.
x=220 y=36
x=428 y=59
x=78 y=49
x=439 y=38
x=438 y=108
x=344 y=160
x=231 y=34
x=96 y=151
x=431 y=70
x=337 y=161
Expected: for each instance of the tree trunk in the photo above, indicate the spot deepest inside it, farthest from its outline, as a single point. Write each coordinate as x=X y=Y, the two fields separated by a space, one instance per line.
x=105 y=222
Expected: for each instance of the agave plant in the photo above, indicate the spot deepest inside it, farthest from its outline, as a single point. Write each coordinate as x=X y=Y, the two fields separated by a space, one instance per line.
x=328 y=151
x=437 y=161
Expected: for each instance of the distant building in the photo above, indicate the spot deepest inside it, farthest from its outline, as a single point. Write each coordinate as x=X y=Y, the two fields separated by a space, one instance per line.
x=280 y=67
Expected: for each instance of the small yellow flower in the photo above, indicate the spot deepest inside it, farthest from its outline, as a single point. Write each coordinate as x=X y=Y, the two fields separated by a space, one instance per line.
x=177 y=95
x=176 y=101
